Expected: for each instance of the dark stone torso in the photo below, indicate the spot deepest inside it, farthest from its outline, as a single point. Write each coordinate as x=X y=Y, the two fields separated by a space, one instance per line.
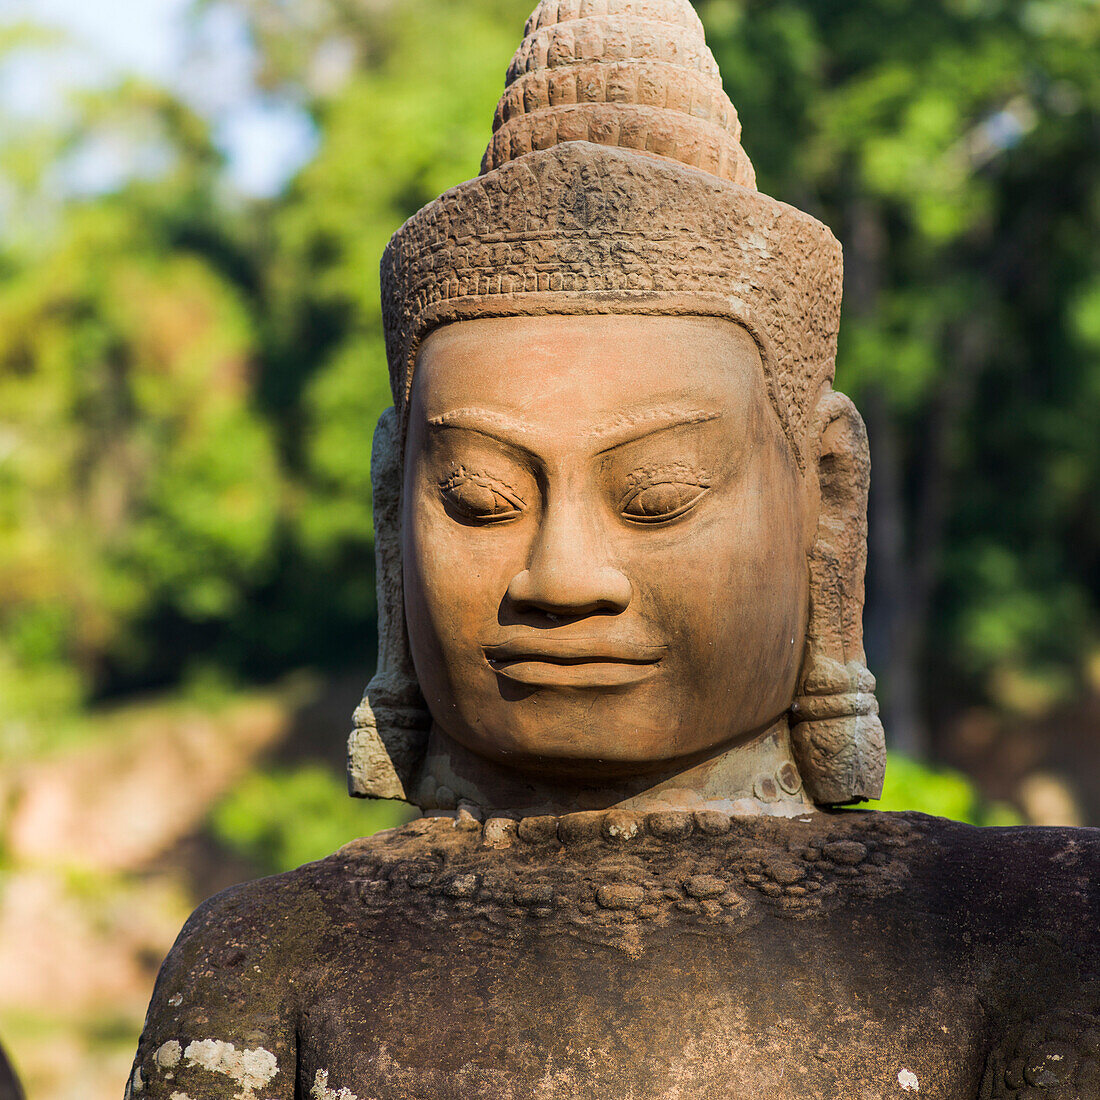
x=9 y=1085
x=856 y=955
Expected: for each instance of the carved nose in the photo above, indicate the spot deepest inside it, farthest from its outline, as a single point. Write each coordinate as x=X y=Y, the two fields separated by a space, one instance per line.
x=559 y=592
x=567 y=575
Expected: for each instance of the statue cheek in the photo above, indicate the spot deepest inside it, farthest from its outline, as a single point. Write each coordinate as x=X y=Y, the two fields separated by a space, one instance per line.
x=735 y=595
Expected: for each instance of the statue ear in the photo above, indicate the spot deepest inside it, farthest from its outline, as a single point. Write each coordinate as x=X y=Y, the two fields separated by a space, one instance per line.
x=390 y=737
x=835 y=729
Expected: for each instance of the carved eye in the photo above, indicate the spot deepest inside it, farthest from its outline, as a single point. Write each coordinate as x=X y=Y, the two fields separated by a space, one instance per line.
x=662 y=500
x=477 y=498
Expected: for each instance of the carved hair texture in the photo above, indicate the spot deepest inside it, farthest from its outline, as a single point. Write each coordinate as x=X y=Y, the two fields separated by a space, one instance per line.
x=614 y=182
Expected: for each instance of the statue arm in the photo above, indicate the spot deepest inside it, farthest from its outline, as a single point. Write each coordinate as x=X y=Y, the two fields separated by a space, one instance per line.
x=222 y=1021
x=1057 y=1053
x=1043 y=918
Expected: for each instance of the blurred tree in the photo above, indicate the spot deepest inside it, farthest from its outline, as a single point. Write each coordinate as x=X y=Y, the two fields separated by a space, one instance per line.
x=137 y=481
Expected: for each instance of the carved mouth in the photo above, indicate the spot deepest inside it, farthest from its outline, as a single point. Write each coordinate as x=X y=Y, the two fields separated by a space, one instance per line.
x=573 y=662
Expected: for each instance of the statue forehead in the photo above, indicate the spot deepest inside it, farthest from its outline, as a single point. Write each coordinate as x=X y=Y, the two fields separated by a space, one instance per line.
x=606 y=361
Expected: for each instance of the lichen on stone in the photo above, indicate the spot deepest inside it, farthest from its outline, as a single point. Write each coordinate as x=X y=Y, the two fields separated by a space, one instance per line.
x=321 y=1091
x=251 y=1069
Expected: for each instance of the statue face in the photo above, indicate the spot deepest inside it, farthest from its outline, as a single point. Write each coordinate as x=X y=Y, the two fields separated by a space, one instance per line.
x=604 y=541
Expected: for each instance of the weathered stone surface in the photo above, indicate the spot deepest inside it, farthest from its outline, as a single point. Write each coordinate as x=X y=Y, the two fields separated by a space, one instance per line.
x=624 y=74
x=620 y=969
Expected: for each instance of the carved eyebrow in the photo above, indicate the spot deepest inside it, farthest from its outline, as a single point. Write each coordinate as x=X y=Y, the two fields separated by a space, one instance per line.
x=478 y=420
x=503 y=429
x=628 y=427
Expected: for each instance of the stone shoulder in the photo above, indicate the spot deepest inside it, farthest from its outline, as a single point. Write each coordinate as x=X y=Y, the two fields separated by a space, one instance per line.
x=1033 y=866
x=1025 y=902
x=255 y=923
x=222 y=1018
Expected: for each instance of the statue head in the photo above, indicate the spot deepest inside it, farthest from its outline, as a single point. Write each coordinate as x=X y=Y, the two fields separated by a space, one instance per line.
x=620 y=511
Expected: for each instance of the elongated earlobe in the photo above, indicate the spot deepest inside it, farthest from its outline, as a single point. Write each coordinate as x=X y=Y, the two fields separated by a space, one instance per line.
x=835 y=728
x=387 y=745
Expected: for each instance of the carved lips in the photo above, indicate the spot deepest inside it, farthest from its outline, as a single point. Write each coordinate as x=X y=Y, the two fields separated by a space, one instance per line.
x=548 y=660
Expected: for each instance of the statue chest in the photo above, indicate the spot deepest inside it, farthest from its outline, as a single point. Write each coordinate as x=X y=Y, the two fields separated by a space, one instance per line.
x=599 y=957
x=698 y=1014
x=736 y=966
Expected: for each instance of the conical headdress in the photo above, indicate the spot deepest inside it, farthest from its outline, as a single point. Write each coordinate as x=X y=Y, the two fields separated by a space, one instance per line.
x=614 y=182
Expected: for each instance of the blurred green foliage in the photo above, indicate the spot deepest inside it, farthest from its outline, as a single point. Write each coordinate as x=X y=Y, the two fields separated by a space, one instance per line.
x=941 y=792
x=137 y=479
x=189 y=380
x=954 y=147
x=284 y=817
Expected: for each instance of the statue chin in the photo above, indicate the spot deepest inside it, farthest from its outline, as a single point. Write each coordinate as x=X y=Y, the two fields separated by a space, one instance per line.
x=621 y=536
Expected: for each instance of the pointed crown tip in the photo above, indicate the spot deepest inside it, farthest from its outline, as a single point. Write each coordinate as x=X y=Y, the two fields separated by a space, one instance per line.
x=633 y=74
x=677 y=13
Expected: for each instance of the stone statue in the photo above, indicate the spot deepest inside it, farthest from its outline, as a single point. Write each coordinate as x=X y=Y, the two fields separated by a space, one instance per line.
x=620 y=520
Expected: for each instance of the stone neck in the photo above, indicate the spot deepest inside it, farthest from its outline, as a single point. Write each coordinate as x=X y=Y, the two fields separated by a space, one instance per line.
x=754 y=777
